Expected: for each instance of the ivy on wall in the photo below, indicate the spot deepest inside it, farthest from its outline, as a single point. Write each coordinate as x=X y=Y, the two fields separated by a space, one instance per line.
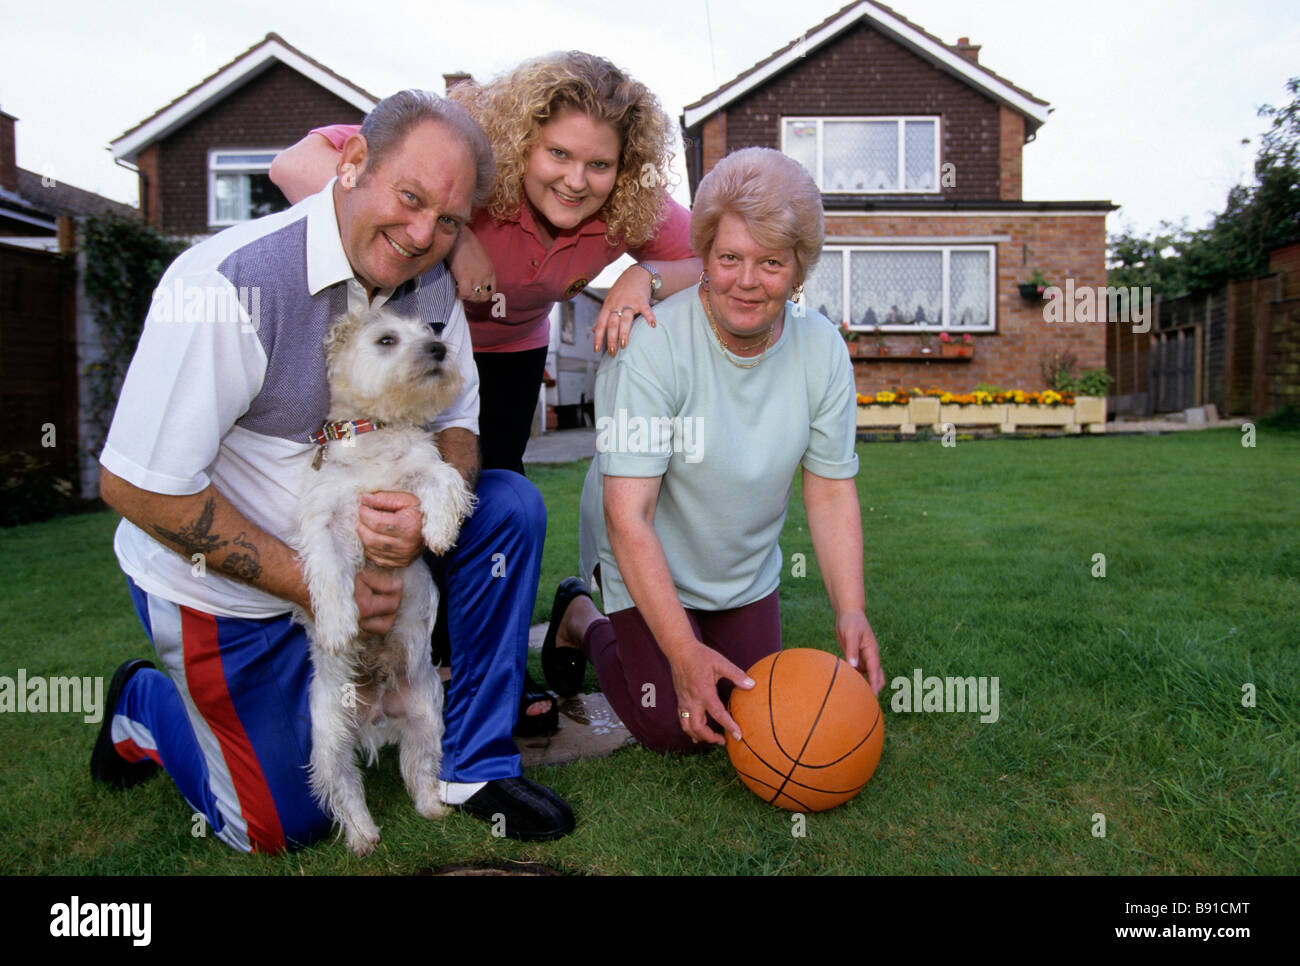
x=124 y=259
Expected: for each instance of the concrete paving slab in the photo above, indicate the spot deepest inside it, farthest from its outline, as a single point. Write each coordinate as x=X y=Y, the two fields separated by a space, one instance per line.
x=562 y=446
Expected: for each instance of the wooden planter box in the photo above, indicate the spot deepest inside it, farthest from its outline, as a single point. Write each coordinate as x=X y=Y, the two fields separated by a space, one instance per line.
x=1022 y=414
x=924 y=411
x=1090 y=409
x=973 y=415
x=878 y=415
x=951 y=350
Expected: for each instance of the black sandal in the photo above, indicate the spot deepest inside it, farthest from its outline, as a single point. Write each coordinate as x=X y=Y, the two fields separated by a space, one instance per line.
x=564 y=666
x=536 y=725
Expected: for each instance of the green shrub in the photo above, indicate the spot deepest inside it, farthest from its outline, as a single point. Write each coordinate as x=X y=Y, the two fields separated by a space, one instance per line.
x=32 y=489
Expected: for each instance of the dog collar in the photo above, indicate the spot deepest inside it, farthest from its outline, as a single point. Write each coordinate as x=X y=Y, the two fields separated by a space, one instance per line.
x=343 y=429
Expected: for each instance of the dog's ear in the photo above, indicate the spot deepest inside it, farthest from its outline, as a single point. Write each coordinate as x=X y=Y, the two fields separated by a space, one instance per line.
x=338 y=334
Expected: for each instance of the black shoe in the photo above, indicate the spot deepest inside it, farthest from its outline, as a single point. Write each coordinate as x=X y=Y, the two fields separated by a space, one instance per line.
x=106 y=765
x=535 y=725
x=527 y=810
x=563 y=666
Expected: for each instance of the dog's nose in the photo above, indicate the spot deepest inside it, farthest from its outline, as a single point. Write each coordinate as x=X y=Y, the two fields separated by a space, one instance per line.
x=438 y=351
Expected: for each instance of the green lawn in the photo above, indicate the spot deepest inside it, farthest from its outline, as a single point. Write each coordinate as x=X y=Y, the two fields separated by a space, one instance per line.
x=1120 y=696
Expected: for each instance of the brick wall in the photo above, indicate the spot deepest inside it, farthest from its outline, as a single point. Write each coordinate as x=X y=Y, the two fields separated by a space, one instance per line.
x=1062 y=246
x=1280 y=364
x=272 y=111
x=863 y=72
x=1011 y=128
x=8 y=154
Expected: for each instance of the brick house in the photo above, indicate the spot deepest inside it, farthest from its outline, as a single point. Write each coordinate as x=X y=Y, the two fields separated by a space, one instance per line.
x=202 y=159
x=917 y=149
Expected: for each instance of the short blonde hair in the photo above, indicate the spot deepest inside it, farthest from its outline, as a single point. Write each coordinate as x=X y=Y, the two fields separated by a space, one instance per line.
x=773 y=194
x=513 y=107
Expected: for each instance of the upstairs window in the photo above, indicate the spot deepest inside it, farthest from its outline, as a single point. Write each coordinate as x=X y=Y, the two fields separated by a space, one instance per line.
x=239 y=188
x=866 y=155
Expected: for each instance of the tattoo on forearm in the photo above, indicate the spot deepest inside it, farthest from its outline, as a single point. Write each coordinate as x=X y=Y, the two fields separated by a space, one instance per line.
x=198 y=538
x=245 y=566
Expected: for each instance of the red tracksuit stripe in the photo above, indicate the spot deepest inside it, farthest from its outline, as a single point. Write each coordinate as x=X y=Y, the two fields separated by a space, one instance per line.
x=207 y=686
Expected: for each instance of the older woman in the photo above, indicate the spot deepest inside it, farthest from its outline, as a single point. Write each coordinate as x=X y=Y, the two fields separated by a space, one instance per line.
x=703 y=422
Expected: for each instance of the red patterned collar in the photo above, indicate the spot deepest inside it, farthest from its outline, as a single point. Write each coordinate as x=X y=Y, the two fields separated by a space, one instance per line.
x=343 y=429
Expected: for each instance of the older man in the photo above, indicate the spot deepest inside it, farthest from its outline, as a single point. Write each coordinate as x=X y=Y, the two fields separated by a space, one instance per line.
x=205 y=458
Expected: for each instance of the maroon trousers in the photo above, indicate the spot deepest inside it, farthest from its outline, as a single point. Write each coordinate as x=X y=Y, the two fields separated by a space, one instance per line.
x=637 y=679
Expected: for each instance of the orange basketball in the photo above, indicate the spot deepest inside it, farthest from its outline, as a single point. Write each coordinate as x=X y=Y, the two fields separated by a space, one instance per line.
x=811 y=728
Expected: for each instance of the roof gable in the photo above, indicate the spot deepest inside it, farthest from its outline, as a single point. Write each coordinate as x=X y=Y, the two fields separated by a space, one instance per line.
x=898 y=29
x=245 y=68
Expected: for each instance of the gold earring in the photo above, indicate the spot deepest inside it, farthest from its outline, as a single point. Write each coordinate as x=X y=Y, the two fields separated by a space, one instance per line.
x=704 y=280
x=798 y=291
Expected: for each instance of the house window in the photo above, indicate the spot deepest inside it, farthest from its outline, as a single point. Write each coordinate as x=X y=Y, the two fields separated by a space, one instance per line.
x=238 y=186
x=866 y=155
x=901 y=287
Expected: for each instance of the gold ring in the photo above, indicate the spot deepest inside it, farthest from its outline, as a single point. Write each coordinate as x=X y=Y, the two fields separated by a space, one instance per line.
x=684 y=714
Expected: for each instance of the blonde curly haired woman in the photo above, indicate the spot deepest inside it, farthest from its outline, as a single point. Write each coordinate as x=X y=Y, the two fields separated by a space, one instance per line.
x=582 y=153
x=582 y=157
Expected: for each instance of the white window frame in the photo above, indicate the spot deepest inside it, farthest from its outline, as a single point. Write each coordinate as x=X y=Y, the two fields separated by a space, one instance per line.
x=844 y=251
x=216 y=167
x=900 y=120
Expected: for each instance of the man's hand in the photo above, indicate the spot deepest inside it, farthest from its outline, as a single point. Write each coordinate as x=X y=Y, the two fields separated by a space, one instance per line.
x=389 y=527
x=378 y=596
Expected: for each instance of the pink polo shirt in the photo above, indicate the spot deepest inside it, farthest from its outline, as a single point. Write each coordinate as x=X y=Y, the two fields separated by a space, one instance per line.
x=532 y=277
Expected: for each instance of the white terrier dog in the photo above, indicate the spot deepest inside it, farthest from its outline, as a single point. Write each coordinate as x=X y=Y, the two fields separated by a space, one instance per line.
x=388 y=374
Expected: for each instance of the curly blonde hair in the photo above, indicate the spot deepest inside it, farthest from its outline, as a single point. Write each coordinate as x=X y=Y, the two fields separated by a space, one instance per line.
x=512 y=108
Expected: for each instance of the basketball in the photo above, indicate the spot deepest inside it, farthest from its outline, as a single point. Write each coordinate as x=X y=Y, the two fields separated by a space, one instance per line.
x=811 y=731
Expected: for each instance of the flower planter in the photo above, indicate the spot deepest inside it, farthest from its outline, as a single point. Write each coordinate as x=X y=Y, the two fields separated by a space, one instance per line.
x=1030 y=292
x=1090 y=409
x=1021 y=414
x=960 y=415
x=923 y=411
x=882 y=415
x=951 y=350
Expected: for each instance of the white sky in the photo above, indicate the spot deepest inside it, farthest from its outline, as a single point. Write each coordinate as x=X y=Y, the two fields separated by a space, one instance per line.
x=1151 y=98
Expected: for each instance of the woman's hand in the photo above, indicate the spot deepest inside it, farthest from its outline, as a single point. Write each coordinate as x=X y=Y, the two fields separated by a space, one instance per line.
x=472 y=268
x=697 y=669
x=858 y=641
x=627 y=298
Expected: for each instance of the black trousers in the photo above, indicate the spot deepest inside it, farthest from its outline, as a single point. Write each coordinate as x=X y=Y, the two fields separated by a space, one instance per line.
x=508 y=387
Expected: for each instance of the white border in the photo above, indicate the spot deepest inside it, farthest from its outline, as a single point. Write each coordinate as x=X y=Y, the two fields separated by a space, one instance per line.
x=890 y=25
x=233 y=76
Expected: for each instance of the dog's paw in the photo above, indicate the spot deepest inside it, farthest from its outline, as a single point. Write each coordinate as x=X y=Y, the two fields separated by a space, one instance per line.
x=428 y=804
x=362 y=836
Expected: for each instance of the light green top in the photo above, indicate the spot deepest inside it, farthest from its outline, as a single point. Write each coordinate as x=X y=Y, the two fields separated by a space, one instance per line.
x=726 y=441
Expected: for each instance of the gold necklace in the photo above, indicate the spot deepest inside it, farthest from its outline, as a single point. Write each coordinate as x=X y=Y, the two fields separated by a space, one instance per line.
x=727 y=353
